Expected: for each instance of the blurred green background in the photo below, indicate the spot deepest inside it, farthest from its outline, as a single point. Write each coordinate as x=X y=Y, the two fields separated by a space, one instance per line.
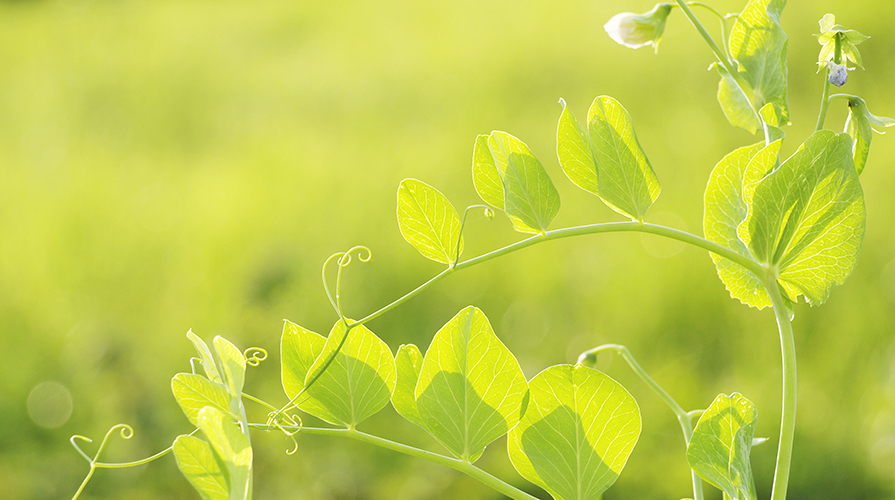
x=175 y=165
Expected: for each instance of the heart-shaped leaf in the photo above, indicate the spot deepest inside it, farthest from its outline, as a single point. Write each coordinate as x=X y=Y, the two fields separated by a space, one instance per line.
x=806 y=218
x=197 y=463
x=470 y=389
x=722 y=441
x=507 y=176
x=428 y=221
x=577 y=433
x=606 y=159
x=357 y=384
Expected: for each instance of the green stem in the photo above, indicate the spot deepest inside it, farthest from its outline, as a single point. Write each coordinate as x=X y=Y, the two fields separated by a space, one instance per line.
x=456 y=464
x=788 y=407
x=825 y=99
x=683 y=417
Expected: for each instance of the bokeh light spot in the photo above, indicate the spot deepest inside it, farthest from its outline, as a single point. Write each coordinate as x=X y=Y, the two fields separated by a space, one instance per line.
x=49 y=404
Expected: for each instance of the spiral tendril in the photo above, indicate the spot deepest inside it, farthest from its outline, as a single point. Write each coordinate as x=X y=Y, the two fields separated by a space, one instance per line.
x=255 y=355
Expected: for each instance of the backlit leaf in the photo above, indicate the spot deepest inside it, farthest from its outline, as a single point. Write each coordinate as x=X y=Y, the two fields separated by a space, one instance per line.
x=470 y=389
x=726 y=203
x=806 y=219
x=232 y=364
x=358 y=383
x=606 y=159
x=507 y=176
x=197 y=463
x=408 y=362
x=194 y=392
x=232 y=447
x=428 y=221
x=577 y=433
x=758 y=46
x=859 y=126
x=206 y=357
x=722 y=441
x=298 y=350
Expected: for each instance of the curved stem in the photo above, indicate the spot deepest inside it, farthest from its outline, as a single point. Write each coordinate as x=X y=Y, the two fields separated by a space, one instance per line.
x=456 y=464
x=788 y=407
x=683 y=417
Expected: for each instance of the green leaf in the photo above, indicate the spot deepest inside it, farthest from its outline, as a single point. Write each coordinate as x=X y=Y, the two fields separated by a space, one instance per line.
x=806 y=219
x=233 y=365
x=727 y=197
x=408 y=362
x=205 y=356
x=298 y=350
x=607 y=159
x=507 y=176
x=758 y=45
x=428 y=221
x=470 y=389
x=232 y=447
x=859 y=126
x=197 y=463
x=722 y=440
x=194 y=392
x=358 y=383
x=577 y=433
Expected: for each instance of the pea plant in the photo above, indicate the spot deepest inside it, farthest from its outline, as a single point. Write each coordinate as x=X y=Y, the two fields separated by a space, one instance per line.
x=777 y=229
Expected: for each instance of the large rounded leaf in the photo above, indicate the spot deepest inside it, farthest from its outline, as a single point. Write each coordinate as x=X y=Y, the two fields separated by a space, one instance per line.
x=470 y=389
x=577 y=433
x=428 y=221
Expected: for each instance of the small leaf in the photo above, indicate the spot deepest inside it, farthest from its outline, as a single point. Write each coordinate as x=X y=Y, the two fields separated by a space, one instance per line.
x=194 y=392
x=233 y=365
x=859 y=126
x=727 y=198
x=508 y=176
x=577 y=434
x=722 y=440
x=408 y=362
x=806 y=219
x=758 y=45
x=232 y=447
x=358 y=383
x=298 y=350
x=197 y=463
x=470 y=389
x=428 y=221
x=607 y=159
x=206 y=357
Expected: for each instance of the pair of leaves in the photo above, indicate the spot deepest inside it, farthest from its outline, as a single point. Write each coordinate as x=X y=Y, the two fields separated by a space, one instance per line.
x=606 y=158
x=356 y=384
x=802 y=220
x=221 y=467
x=721 y=443
x=571 y=429
x=758 y=47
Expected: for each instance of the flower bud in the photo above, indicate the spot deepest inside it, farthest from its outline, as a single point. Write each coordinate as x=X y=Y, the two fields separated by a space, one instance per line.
x=838 y=74
x=638 y=30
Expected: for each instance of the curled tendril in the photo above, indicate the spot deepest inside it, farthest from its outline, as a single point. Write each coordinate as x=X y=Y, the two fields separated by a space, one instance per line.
x=192 y=365
x=255 y=355
x=125 y=430
x=342 y=260
x=279 y=420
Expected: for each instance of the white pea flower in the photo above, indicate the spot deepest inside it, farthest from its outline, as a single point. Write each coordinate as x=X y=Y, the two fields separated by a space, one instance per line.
x=638 y=30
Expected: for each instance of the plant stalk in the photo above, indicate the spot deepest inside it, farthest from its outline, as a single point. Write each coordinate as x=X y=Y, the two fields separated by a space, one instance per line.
x=825 y=99
x=788 y=406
